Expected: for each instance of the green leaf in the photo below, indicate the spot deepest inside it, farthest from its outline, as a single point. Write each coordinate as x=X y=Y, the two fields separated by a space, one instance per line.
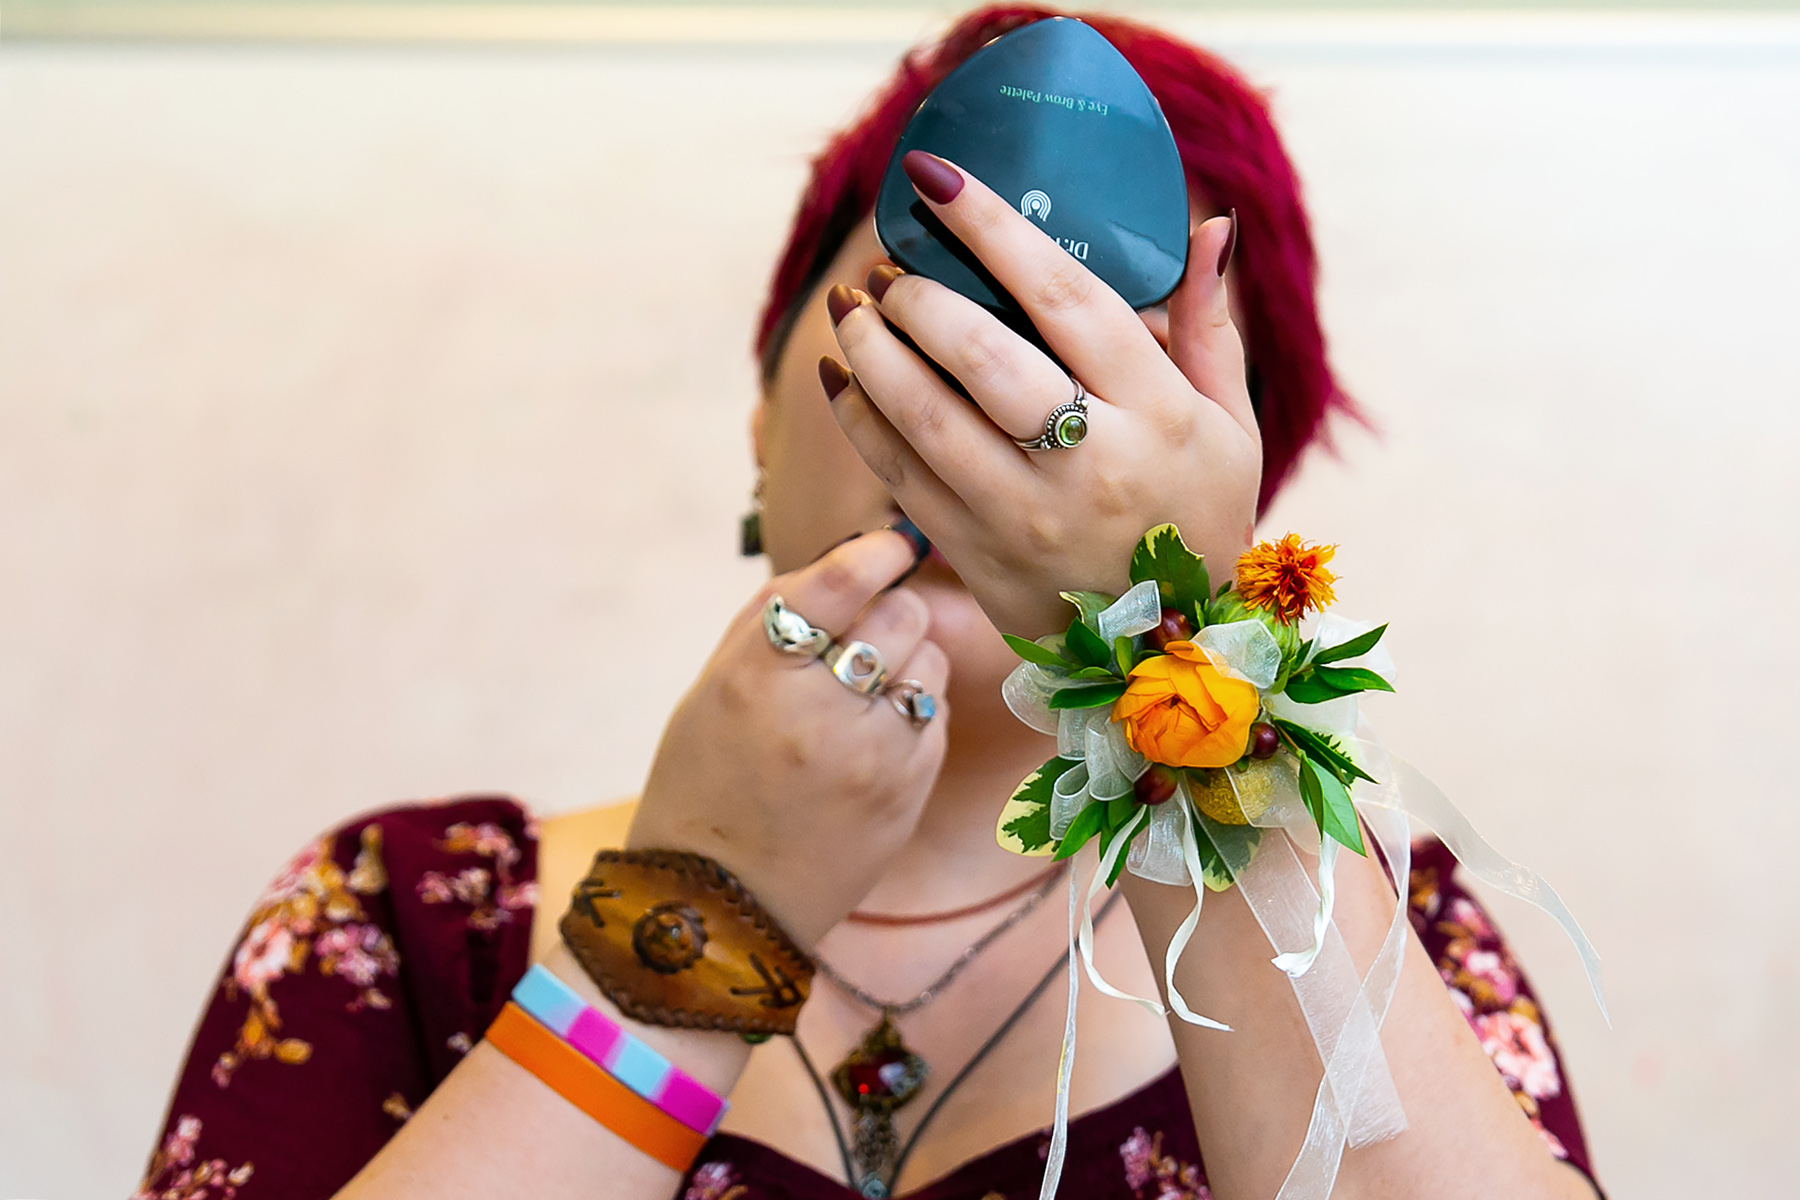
x=1025 y=818
x=1124 y=653
x=1180 y=574
x=1119 y=811
x=1082 y=829
x=1360 y=644
x=1308 y=688
x=1093 y=673
x=1329 y=802
x=1307 y=742
x=1090 y=605
x=1086 y=647
x=1086 y=697
x=1031 y=652
x=1352 y=679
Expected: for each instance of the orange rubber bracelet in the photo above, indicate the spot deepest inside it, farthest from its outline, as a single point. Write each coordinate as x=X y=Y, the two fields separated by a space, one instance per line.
x=588 y=1086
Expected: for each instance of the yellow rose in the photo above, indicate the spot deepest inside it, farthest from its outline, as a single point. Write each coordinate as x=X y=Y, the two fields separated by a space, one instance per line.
x=1178 y=710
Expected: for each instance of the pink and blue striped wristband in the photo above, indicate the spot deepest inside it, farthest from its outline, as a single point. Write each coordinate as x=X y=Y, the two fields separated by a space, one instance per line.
x=556 y=1006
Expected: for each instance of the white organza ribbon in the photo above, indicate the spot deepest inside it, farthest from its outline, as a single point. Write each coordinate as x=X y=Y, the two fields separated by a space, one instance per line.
x=1357 y=1103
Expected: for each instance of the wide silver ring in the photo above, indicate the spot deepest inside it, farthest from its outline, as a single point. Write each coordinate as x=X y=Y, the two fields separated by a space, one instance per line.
x=1066 y=425
x=858 y=666
x=791 y=633
x=912 y=701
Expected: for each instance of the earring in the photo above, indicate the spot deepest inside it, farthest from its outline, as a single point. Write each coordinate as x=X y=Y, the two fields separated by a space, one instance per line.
x=750 y=543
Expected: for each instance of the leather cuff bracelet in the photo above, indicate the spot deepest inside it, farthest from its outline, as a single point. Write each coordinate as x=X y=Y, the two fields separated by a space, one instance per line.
x=674 y=939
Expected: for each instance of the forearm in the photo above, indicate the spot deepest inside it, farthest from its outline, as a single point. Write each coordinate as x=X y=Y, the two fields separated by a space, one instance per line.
x=1252 y=1089
x=492 y=1129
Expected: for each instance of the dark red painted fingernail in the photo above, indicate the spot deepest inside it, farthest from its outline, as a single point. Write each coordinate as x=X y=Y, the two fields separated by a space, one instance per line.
x=937 y=180
x=833 y=376
x=1230 y=247
x=840 y=302
x=880 y=276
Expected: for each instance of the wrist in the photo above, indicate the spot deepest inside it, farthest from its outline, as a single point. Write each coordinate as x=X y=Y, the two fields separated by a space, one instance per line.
x=712 y=1058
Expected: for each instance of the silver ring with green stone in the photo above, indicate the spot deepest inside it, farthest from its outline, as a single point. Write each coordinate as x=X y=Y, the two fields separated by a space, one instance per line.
x=1066 y=425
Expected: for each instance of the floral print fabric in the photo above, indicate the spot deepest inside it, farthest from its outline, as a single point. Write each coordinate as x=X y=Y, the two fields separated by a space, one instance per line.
x=377 y=957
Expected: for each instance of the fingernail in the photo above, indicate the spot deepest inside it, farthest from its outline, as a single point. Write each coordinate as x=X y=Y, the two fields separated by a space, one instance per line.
x=833 y=375
x=1230 y=246
x=840 y=302
x=880 y=276
x=937 y=180
x=921 y=546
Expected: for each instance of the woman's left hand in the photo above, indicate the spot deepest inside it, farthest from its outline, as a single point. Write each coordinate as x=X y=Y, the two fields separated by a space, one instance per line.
x=1171 y=436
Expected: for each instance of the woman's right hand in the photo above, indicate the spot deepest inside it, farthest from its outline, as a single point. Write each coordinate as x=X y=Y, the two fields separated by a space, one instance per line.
x=798 y=785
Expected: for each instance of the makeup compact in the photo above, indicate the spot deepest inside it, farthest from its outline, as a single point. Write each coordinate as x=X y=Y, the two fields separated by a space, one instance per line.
x=1055 y=120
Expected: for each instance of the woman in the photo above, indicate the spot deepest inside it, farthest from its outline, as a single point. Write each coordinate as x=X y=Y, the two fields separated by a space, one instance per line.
x=342 y=1053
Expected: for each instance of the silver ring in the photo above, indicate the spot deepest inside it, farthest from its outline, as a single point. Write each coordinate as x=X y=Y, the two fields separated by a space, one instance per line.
x=1066 y=425
x=858 y=666
x=913 y=702
x=791 y=633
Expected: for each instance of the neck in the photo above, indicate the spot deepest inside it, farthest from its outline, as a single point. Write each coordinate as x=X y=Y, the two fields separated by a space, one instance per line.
x=952 y=858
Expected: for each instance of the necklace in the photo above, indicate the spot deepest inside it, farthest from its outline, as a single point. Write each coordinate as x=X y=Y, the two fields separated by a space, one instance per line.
x=882 y=1073
x=876 y=1184
x=953 y=914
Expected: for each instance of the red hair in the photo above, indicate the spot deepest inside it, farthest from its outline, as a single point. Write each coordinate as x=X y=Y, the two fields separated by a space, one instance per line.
x=1232 y=154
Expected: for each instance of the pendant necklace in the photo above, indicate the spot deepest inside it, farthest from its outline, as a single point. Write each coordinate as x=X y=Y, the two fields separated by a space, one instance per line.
x=882 y=1074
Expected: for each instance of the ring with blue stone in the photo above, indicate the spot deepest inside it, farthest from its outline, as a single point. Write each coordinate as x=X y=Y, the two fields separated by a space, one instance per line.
x=912 y=701
x=1066 y=425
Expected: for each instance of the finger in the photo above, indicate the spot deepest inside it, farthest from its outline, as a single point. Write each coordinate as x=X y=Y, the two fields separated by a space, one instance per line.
x=929 y=667
x=832 y=591
x=894 y=625
x=921 y=492
x=1089 y=325
x=1014 y=382
x=1203 y=340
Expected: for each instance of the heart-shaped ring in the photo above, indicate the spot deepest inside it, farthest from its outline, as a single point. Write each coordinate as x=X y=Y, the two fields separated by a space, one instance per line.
x=858 y=666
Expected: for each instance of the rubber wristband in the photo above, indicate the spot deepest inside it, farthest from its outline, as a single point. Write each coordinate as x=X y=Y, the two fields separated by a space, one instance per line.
x=569 y=1073
x=558 y=1007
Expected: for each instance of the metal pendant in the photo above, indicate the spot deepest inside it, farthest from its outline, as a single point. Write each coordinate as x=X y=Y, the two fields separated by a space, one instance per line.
x=877 y=1079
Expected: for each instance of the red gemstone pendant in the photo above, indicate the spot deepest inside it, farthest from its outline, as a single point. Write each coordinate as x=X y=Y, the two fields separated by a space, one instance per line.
x=878 y=1077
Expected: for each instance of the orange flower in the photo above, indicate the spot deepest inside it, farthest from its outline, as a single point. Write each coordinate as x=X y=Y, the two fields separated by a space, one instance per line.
x=1179 y=711
x=1286 y=577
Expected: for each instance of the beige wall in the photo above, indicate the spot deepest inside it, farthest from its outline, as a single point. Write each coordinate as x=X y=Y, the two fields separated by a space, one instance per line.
x=361 y=411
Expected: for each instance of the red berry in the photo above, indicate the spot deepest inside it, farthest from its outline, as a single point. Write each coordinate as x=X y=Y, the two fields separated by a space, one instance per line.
x=1174 y=627
x=1155 y=785
x=1264 y=741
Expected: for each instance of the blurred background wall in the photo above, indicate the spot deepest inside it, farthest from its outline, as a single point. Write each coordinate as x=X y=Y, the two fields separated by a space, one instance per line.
x=363 y=405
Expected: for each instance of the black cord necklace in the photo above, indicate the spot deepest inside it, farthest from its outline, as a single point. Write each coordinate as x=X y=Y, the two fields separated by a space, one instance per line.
x=870 y=1180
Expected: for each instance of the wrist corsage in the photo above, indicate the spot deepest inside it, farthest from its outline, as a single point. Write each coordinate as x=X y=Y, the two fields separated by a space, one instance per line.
x=1211 y=739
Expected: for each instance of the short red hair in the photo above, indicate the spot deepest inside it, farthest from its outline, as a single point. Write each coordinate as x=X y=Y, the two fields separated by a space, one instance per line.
x=1232 y=154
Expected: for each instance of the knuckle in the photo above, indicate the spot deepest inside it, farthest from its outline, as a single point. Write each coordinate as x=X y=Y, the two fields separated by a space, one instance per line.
x=930 y=419
x=902 y=611
x=982 y=354
x=1042 y=534
x=838 y=577
x=1065 y=286
x=736 y=695
x=889 y=465
x=1111 y=490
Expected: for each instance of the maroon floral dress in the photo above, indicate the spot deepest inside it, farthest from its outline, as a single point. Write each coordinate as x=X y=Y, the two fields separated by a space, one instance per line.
x=378 y=956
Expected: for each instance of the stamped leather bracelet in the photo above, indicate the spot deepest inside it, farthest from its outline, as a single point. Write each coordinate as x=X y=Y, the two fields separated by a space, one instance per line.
x=673 y=938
